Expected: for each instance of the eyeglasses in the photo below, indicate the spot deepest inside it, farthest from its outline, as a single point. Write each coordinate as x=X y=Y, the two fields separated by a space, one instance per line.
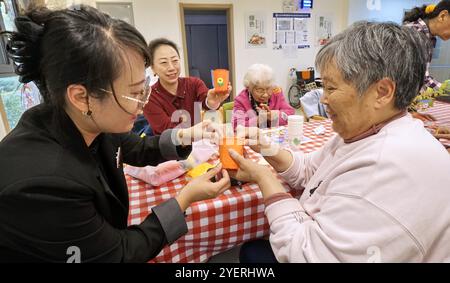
x=140 y=99
x=261 y=91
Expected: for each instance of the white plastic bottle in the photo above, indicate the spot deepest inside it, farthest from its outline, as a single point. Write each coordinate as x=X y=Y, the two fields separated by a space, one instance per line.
x=295 y=130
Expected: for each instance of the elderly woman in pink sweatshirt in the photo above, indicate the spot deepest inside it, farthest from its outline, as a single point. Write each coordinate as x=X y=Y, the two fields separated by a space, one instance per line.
x=261 y=103
x=379 y=190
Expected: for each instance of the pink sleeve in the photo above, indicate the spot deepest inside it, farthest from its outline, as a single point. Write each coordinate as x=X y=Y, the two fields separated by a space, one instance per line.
x=305 y=165
x=324 y=236
x=241 y=116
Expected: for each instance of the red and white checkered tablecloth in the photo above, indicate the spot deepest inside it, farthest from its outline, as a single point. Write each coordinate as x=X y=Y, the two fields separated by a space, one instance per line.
x=215 y=225
x=234 y=217
x=440 y=111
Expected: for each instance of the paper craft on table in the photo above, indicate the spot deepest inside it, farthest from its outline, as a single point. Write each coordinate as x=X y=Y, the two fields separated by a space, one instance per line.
x=319 y=130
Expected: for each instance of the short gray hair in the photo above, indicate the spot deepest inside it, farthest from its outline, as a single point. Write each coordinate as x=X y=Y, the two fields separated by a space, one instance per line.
x=367 y=52
x=259 y=74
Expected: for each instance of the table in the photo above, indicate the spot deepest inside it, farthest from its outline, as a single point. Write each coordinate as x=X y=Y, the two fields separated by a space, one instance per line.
x=441 y=111
x=215 y=225
x=233 y=218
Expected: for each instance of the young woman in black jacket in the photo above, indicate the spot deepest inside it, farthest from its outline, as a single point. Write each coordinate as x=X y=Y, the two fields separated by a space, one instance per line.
x=62 y=187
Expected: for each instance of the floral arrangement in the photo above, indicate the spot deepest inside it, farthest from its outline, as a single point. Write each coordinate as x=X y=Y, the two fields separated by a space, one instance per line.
x=426 y=98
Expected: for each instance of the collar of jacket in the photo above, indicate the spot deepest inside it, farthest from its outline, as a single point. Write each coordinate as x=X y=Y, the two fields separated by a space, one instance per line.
x=375 y=129
x=181 y=90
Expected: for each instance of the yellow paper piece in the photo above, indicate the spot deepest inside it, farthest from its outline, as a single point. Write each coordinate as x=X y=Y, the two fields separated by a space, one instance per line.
x=200 y=170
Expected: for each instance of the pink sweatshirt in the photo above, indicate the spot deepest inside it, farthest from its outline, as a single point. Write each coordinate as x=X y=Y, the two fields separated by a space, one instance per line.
x=385 y=198
x=243 y=113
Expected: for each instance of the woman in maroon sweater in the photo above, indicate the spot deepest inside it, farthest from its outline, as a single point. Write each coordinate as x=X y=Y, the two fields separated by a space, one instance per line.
x=176 y=100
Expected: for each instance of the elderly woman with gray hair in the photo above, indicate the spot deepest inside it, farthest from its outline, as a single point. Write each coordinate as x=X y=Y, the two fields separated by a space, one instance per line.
x=261 y=103
x=370 y=194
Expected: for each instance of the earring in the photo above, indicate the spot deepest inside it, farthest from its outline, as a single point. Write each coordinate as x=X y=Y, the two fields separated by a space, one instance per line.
x=87 y=113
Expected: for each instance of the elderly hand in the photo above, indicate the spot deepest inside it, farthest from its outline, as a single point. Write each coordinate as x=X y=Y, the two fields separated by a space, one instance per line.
x=203 y=130
x=252 y=172
x=248 y=171
x=257 y=140
x=202 y=188
x=215 y=99
x=264 y=108
x=442 y=133
x=423 y=117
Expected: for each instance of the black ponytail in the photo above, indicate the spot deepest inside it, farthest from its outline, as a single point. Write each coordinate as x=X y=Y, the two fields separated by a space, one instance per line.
x=421 y=13
x=71 y=46
x=23 y=47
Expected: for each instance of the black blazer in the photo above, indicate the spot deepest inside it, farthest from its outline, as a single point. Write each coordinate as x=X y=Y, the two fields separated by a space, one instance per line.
x=53 y=195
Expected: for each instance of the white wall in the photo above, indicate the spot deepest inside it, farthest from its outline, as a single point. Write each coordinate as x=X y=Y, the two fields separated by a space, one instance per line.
x=390 y=10
x=161 y=18
x=393 y=10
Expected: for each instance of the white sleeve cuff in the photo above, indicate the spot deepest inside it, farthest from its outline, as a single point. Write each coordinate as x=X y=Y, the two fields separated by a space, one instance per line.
x=207 y=105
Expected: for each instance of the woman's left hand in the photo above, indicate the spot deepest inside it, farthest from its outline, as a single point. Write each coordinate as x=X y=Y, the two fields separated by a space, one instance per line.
x=215 y=99
x=203 y=188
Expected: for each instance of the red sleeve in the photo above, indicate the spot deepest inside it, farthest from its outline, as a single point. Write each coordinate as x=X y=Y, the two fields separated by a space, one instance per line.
x=158 y=119
x=276 y=198
x=201 y=90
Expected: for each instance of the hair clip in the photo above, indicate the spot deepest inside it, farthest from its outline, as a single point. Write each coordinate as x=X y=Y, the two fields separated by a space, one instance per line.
x=430 y=9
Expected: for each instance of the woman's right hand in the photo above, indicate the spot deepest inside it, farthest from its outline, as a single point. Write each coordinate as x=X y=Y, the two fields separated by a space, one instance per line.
x=424 y=117
x=257 y=141
x=203 y=130
x=203 y=188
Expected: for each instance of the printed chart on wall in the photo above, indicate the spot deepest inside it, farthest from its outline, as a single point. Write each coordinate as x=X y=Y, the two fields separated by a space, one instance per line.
x=255 y=30
x=324 y=26
x=291 y=31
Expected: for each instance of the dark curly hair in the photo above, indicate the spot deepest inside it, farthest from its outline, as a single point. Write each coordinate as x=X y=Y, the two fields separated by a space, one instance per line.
x=78 y=45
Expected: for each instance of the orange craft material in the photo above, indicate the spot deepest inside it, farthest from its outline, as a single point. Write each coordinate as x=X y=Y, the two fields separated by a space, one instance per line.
x=306 y=75
x=221 y=77
x=225 y=158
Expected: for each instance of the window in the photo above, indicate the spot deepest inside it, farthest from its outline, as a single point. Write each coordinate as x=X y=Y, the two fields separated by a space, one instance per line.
x=7 y=15
x=15 y=97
